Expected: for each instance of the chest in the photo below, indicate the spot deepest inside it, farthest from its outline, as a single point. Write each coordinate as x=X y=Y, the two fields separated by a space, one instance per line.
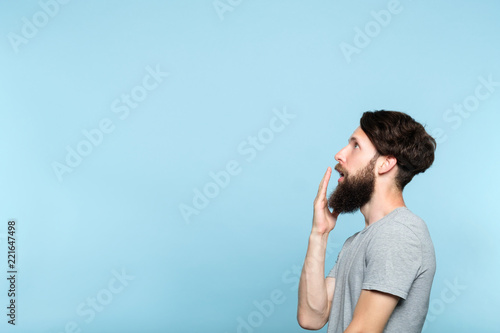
x=352 y=263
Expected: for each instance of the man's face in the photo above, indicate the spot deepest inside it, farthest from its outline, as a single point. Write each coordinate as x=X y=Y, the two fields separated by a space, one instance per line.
x=357 y=170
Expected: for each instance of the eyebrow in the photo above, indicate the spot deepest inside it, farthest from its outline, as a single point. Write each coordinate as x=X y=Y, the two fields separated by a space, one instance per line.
x=352 y=138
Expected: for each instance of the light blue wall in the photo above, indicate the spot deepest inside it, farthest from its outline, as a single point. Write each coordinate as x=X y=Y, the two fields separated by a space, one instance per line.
x=222 y=76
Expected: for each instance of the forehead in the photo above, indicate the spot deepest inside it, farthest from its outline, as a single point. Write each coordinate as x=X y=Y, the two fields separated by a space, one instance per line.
x=360 y=136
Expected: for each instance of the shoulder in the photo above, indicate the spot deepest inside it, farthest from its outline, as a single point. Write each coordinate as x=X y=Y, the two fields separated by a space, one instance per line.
x=348 y=242
x=404 y=224
x=404 y=234
x=349 y=239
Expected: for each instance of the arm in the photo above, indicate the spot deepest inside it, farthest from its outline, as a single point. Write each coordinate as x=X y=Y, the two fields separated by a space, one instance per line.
x=316 y=291
x=373 y=310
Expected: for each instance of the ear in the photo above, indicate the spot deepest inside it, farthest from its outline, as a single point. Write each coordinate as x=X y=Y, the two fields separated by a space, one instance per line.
x=387 y=164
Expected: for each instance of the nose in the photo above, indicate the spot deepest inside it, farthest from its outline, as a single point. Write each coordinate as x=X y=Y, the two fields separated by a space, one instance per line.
x=340 y=156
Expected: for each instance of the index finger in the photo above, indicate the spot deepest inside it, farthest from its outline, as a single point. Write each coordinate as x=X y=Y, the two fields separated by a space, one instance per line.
x=324 y=182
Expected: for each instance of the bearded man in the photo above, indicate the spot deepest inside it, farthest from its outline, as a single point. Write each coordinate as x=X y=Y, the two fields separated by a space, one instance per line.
x=382 y=279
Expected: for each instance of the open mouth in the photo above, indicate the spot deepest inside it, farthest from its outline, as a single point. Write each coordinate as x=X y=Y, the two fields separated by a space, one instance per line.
x=341 y=175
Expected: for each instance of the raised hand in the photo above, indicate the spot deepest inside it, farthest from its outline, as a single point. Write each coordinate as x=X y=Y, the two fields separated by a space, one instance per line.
x=323 y=220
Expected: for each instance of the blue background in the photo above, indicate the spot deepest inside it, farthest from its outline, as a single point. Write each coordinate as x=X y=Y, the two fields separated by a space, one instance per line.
x=233 y=266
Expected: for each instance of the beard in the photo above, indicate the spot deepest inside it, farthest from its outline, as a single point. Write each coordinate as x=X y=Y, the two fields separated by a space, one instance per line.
x=354 y=191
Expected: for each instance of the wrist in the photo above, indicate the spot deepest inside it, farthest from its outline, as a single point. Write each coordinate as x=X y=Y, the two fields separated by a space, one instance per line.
x=318 y=236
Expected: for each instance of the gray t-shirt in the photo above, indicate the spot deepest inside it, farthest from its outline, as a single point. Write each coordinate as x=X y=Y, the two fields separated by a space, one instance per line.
x=393 y=255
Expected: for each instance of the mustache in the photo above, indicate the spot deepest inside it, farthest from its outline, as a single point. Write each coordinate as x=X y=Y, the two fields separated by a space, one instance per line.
x=340 y=169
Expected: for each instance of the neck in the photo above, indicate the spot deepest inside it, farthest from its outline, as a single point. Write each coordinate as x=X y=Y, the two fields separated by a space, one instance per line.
x=383 y=201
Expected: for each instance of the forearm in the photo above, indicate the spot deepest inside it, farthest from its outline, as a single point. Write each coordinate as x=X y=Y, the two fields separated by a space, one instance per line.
x=313 y=306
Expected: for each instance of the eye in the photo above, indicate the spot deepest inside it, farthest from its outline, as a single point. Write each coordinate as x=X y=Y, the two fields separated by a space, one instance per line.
x=356 y=145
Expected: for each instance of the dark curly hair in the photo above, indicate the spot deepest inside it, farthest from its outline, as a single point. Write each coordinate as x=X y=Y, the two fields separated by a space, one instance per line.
x=397 y=134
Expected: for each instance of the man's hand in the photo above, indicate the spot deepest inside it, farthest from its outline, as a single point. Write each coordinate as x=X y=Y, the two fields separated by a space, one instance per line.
x=315 y=291
x=323 y=220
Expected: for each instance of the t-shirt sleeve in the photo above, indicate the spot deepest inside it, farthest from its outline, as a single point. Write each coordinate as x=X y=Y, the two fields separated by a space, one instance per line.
x=393 y=260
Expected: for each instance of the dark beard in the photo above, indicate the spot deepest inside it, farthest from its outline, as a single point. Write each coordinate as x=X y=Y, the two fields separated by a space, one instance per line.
x=354 y=191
